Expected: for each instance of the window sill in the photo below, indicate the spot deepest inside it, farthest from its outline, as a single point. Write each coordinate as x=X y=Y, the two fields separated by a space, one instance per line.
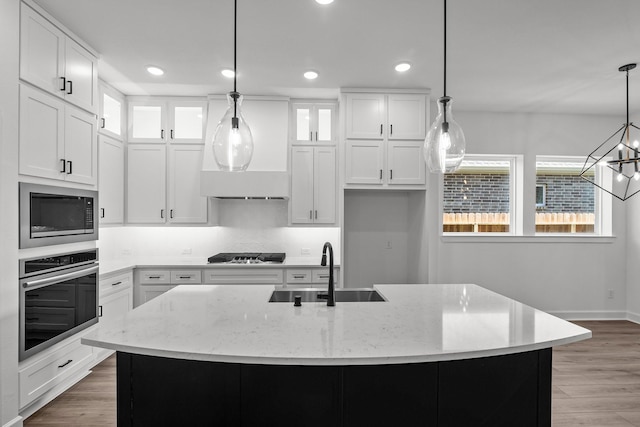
x=510 y=238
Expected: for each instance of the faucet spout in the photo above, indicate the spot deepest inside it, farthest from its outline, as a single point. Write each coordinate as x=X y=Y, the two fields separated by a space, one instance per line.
x=331 y=297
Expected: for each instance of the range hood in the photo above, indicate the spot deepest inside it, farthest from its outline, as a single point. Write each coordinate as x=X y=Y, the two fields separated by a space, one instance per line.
x=267 y=176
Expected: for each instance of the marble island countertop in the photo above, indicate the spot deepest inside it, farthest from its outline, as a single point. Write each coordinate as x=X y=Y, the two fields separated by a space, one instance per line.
x=113 y=266
x=417 y=323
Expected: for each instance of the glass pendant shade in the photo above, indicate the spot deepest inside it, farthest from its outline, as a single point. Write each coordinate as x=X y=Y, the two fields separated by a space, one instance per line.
x=444 y=146
x=232 y=141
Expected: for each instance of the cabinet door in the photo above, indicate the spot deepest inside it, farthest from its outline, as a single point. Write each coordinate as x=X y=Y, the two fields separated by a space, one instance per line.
x=116 y=304
x=41 y=52
x=301 y=117
x=111 y=113
x=407 y=116
x=302 y=185
x=324 y=178
x=147 y=121
x=111 y=181
x=187 y=121
x=81 y=73
x=80 y=146
x=146 y=188
x=186 y=205
x=324 y=123
x=365 y=116
x=41 y=134
x=269 y=123
x=406 y=163
x=364 y=162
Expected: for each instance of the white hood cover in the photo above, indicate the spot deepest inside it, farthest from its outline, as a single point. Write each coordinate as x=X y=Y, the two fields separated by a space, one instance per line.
x=251 y=183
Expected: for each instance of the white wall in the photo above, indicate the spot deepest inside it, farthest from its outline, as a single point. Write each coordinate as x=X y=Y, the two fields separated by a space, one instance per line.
x=633 y=258
x=244 y=226
x=570 y=279
x=9 y=36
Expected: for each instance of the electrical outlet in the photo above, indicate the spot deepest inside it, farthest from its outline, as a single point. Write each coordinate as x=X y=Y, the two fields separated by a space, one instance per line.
x=186 y=251
x=305 y=251
x=610 y=294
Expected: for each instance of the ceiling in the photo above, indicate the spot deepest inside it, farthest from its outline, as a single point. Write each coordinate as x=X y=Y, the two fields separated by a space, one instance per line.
x=503 y=55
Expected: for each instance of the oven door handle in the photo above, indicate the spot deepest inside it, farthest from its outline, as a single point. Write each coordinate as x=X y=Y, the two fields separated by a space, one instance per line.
x=35 y=284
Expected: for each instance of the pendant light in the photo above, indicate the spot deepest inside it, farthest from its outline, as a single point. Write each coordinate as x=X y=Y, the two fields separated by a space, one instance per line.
x=444 y=146
x=618 y=153
x=232 y=141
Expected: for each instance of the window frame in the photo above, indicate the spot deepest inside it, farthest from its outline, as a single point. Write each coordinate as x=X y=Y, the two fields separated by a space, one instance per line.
x=515 y=197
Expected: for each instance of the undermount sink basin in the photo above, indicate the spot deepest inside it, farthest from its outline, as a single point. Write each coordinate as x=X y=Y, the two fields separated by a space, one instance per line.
x=342 y=295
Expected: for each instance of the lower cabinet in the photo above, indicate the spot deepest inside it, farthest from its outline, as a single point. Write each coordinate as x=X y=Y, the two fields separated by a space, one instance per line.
x=152 y=283
x=243 y=276
x=311 y=277
x=116 y=300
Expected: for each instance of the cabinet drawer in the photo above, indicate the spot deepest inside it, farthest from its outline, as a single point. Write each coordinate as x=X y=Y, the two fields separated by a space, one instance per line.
x=298 y=276
x=41 y=376
x=186 y=276
x=151 y=277
x=115 y=283
x=322 y=276
x=243 y=276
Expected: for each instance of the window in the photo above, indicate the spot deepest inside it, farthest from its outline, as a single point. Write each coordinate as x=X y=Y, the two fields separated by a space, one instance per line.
x=570 y=204
x=479 y=197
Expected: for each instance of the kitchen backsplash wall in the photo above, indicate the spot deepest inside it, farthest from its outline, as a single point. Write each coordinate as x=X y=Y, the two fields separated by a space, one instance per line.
x=243 y=226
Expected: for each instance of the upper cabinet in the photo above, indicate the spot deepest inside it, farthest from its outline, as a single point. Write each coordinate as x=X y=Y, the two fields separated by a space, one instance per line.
x=166 y=120
x=111 y=116
x=313 y=122
x=57 y=140
x=384 y=135
x=379 y=116
x=56 y=63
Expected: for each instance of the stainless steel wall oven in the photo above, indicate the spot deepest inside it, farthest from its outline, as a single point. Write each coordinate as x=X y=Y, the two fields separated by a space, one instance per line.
x=58 y=298
x=55 y=215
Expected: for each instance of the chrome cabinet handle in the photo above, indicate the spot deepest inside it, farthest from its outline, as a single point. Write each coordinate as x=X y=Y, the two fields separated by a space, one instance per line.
x=36 y=284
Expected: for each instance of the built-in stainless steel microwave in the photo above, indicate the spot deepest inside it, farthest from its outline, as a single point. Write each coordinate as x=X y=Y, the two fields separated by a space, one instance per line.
x=54 y=215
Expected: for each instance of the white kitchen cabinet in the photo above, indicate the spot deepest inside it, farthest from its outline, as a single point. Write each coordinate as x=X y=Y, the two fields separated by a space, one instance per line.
x=379 y=116
x=150 y=283
x=313 y=122
x=116 y=300
x=317 y=277
x=149 y=292
x=111 y=180
x=243 y=276
x=186 y=205
x=390 y=153
x=313 y=185
x=57 y=140
x=165 y=120
x=146 y=184
x=405 y=163
x=56 y=63
x=111 y=115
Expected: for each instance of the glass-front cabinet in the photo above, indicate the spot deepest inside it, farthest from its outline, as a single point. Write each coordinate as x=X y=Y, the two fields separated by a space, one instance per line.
x=313 y=122
x=170 y=120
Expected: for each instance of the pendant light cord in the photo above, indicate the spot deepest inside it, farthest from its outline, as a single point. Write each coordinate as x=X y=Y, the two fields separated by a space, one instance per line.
x=627 y=98
x=235 y=34
x=445 y=48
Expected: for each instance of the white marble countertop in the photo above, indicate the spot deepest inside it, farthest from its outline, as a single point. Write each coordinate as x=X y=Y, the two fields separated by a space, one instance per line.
x=110 y=266
x=417 y=323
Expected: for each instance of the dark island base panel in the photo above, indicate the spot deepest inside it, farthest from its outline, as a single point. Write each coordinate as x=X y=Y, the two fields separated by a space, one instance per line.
x=510 y=390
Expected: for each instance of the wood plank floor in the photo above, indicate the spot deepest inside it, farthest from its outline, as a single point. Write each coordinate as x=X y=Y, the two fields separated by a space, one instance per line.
x=595 y=383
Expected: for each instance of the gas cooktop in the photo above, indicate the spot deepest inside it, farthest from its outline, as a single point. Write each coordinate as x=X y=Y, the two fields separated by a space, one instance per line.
x=247 y=258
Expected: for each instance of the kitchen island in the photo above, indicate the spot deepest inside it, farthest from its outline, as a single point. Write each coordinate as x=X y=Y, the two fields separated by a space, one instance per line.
x=428 y=355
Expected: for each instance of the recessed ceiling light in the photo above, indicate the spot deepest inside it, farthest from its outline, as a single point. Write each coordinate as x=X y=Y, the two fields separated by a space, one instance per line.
x=324 y=1
x=228 y=73
x=155 y=71
x=310 y=75
x=403 y=66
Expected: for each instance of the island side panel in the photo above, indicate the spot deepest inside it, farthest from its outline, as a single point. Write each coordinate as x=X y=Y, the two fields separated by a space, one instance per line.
x=507 y=390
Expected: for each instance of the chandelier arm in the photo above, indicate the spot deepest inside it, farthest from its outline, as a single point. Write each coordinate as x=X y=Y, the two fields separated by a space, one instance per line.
x=608 y=139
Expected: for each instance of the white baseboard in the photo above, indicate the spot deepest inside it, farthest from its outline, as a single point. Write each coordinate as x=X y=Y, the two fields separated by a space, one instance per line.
x=633 y=317
x=591 y=315
x=16 y=422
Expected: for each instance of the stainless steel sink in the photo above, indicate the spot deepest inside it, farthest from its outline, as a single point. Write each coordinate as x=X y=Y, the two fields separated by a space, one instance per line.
x=342 y=295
